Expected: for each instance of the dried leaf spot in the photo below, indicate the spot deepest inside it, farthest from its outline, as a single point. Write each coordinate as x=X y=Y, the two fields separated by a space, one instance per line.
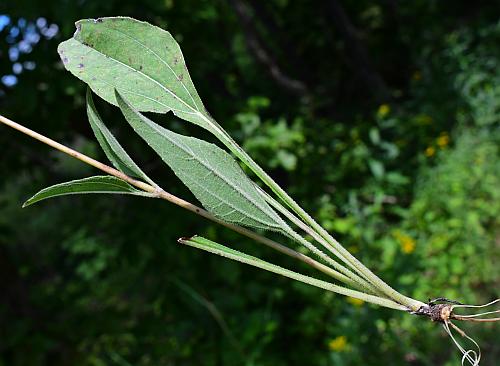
x=80 y=66
x=180 y=77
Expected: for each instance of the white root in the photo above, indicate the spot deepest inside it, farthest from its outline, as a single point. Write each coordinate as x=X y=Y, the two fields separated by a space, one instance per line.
x=471 y=356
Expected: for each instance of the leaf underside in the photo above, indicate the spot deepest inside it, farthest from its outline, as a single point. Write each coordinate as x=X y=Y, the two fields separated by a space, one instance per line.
x=145 y=65
x=211 y=174
x=97 y=184
x=111 y=147
x=142 y=61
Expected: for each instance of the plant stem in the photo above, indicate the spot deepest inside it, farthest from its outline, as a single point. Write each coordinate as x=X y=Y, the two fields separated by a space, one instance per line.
x=336 y=247
x=177 y=201
x=209 y=246
x=356 y=281
x=361 y=281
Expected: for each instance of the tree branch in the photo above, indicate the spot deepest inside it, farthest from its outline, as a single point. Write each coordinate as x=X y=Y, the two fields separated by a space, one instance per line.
x=357 y=51
x=261 y=53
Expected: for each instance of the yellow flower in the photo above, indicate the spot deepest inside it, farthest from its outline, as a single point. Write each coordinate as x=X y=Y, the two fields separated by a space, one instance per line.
x=430 y=151
x=355 y=302
x=383 y=110
x=408 y=246
x=417 y=75
x=443 y=140
x=406 y=242
x=338 y=344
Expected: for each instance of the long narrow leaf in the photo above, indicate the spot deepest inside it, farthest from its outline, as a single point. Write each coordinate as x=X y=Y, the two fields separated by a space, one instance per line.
x=209 y=172
x=111 y=147
x=212 y=247
x=97 y=184
x=145 y=64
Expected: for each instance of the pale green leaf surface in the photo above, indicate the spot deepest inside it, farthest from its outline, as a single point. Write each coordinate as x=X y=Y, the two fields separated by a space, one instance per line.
x=212 y=247
x=209 y=172
x=97 y=184
x=111 y=147
x=142 y=61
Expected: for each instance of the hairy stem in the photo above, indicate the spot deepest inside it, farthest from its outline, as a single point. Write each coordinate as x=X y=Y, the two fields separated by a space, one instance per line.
x=212 y=247
x=355 y=280
x=178 y=201
x=294 y=219
x=227 y=140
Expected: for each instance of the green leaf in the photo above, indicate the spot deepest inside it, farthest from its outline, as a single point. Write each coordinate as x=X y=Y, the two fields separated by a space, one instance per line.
x=142 y=61
x=145 y=64
x=111 y=147
x=212 y=247
x=377 y=168
x=209 y=172
x=97 y=184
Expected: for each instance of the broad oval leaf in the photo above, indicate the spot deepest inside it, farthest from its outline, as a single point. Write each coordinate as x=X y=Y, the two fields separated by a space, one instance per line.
x=111 y=147
x=209 y=172
x=97 y=184
x=142 y=61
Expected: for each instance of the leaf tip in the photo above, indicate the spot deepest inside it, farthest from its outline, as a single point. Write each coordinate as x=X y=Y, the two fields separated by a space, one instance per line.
x=89 y=98
x=60 y=50
x=185 y=239
x=119 y=99
x=117 y=94
x=122 y=102
x=78 y=26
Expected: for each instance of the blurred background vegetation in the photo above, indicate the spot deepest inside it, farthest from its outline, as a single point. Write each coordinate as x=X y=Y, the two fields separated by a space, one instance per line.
x=381 y=118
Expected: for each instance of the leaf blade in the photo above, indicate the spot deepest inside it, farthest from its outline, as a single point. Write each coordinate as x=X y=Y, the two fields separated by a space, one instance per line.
x=209 y=172
x=96 y=184
x=219 y=249
x=110 y=145
x=144 y=62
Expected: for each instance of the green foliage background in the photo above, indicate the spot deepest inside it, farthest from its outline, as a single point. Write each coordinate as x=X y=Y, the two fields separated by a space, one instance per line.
x=405 y=175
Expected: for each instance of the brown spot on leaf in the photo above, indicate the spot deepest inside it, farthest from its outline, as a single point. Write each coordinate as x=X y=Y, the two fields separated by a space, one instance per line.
x=80 y=66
